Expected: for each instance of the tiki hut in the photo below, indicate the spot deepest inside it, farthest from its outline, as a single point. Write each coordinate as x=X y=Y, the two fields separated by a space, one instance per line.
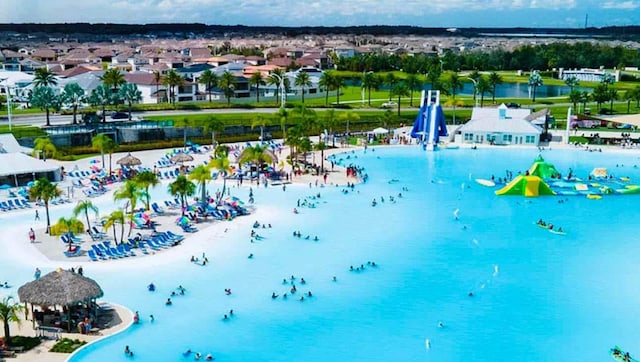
x=61 y=288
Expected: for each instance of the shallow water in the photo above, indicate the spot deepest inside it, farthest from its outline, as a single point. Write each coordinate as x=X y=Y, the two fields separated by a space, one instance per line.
x=536 y=294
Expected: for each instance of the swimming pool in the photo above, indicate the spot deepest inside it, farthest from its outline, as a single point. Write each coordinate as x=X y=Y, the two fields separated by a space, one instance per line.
x=536 y=296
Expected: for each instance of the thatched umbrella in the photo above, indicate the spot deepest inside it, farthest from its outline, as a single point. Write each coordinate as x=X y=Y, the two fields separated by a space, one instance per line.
x=266 y=152
x=60 y=287
x=129 y=160
x=181 y=157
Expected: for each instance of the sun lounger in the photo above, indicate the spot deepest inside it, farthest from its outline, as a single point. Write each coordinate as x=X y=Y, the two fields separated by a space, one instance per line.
x=157 y=209
x=73 y=253
x=175 y=236
x=92 y=255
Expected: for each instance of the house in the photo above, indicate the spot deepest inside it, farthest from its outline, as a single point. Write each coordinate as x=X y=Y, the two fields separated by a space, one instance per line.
x=44 y=55
x=499 y=126
x=12 y=60
x=152 y=91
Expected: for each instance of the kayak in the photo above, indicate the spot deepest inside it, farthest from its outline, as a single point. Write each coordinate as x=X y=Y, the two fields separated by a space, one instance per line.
x=619 y=355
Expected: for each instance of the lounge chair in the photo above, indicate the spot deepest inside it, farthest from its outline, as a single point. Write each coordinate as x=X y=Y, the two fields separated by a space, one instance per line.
x=157 y=209
x=75 y=252
x=92 y=255
x=175 y=236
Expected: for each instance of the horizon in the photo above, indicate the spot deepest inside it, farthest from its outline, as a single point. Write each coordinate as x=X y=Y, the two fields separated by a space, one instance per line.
x=568 y=14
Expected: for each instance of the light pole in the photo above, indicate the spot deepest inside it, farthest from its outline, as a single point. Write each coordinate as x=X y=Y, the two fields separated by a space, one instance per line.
x=475 y=91
x=8 y=93
x=283 y=97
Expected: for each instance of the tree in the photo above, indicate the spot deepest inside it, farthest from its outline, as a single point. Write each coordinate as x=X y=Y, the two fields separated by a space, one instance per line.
x=156 y=80
x=257 y=155
x=44 y=145
x=114 y=218
x=338 y=82
x=630 y=95
x=260 y=121
x=475 y=75
x=575 y=97
x=129 y=191
x=210 y=80
x=483 y=87
x=330 y=122
x=584 y=98
x=112 y=79
x=201 y=174
x=494 y=80
x=433 y=75
x=326 y=82
x=182 y=188
x=130 y=94
x=613 y=96
x=257 y=80
x=535 y=81
x=145 y=180
x=572 y=82
x=221 y=164
x=227 y=83
x=400 y=90
x=349 y=117
x=454 y=84
x=214 y=126
x=44 y=78
x=110 y=147
x=370 y=81
x=171 y=80
x=303 y=81
x=44 y=190
x=390 y=80
x=9 y=312
x=101 y=96
x=44 y=98
x=73 y=95
x=600 y=94
x=274 y=79
x=413 y=83
x=282 y=116
x=100 y=142
x=306 y=117
x=321 y=146
x=83 y=207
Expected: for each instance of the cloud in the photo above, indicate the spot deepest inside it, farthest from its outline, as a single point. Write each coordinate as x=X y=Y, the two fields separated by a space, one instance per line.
x=621 y=5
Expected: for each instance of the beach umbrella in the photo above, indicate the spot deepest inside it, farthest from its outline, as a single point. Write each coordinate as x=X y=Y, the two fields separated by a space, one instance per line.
x=181 y=158
x=30 y=183
x=5 y=187
x=182 y=220
x=94 y=161
x=129 y=160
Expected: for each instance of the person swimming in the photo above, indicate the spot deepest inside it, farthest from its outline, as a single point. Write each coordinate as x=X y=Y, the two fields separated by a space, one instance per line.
x=197 y=356
x=250 y=256
x=168 y=302
x=209 y=357
x=151 y=287
x=274 y=295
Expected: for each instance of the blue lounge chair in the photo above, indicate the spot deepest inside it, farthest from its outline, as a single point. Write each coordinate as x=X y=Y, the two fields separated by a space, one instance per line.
x=92 y=255
x=73 y=253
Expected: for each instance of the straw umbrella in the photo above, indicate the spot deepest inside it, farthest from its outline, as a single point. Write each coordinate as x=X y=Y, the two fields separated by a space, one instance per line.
x=60 y=287
x=181 y=158
x=129 y=160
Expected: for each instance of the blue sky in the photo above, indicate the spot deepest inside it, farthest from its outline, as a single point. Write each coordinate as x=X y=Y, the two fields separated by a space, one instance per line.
x=427 y=13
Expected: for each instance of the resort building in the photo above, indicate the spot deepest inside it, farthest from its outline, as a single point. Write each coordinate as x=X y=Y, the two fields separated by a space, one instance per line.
x=499 y=126
x=588 y=75
x=18 y=169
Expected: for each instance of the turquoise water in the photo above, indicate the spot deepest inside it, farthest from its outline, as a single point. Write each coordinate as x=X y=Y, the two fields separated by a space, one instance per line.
x=537 y=296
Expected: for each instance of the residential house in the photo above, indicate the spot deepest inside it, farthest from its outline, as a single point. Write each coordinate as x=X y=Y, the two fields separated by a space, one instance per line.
x=44 y=55
x=152 y=91
x=499 y=126
x=12 y=60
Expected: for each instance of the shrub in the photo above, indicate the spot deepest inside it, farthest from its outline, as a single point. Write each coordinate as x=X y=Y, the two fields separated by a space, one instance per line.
x=26 y=343
x=67 y=345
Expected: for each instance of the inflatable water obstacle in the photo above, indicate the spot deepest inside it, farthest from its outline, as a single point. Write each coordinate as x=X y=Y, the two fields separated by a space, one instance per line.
x=543 y=179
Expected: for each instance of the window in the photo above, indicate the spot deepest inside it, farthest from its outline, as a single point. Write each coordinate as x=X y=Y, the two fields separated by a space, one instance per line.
x=530 y=139
x=468 y=137
x=507 y=138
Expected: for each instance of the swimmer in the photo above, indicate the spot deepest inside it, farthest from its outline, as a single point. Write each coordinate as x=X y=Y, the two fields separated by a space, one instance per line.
x=440 y=325
x=427 y=343
x=302 y=298
x=335 y=279
x=226 y=317
x=250 y=256
x=209 y=357
x=456 y=214
x=231 y=312
x=495 y=270
x=284 y=281
x=168 y=302
x=284 y=296
x=315 y=238
x=302 y=281
x=187 y=352
x=151 y=318
x=197 y=356
x=309 y=294
x=127 y=351
x=470 y=294
x=274 y=295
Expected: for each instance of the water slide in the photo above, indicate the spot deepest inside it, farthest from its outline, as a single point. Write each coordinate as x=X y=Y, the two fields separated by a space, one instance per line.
x=430 y=124
x=529 y=186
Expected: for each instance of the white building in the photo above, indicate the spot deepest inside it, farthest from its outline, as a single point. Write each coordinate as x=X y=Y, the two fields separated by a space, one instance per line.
x=499 y=126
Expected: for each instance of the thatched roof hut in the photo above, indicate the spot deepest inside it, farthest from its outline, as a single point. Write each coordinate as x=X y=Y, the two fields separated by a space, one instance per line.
x=60 y=287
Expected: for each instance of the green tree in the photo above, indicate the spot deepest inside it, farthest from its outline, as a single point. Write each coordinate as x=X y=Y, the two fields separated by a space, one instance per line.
x=44 y=78
x=112 y=220
x=282 y=117
x=306 y=118
x=73 y=95
x=157 y=79
x=572 y=82
x=348 y=118
x=228 y=84
x=600 y=94
x=326 y=82
x=145 y=180
x=390 y=81
x=130 y=94
x=338 y=83
x=45 y=99
x=129 y=191
x=260 y=121
x=303 y=81
x=413 y=83
x=257 y=80
x=182 y=188
x=575 y=97
x=330 y=122
x=101 y=96
x=83 y=207
x=535 y=81
x=274 y=79
x=221 y=164
x=172 y=80
x=213 y=126
x=45 y=191
x=454 y=84
x=257 y=155
x=482 y=88
x=370 y=81
x=100 y=142
x=9 y=313
x=201 y=174
x=400 y=90
x=112 y=79
x=613 y=96
x=495 y=80
x=210 y=80
x=44 y=145
x=475 y=75
x=321 y=146
x=433 y=75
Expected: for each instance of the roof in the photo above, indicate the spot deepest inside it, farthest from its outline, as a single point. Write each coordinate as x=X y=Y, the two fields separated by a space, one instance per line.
x=141 y=78
x=60 y=287
x=488 y=120
x=539 y=114
x=632 y=119
x=19 y=163
x=9 y=144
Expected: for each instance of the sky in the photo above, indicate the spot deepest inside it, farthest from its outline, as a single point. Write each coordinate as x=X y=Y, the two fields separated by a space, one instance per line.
x=425 y=13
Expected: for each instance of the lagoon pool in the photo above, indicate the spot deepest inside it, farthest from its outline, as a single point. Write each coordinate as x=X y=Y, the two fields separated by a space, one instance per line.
x=537 y=296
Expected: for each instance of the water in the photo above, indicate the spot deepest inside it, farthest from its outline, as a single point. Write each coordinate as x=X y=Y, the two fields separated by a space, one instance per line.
x=536 y=295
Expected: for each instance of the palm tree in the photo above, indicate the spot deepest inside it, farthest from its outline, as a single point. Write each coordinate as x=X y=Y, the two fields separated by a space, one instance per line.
x=433 y=75
x=201 y=174
x=338 y=82
x=349 y=117
x=390 y=80
x=222 y=165
x=572 y=82
x=584 y=98
x=535 y=81
x=413 y=83
x=257 y=155
x=303 y=81
x=171 y=80
x=130 y=191
x=274 y=79
x=146 y=179
x=454 y=84
x=282 y=116
x=629 y=96
x=400 y=90
x=44 y=78
x=100 y=142
x=214 y=126
x=44 y=145
x=112 y=79
x=73 y=95
x=44 y=190
x=111 y=220
x=84 y=206
x=257 y=80
x=330 y=122
x=326 y=82
x=574 y=97
x=182 y=188
x=494 y=80
x=110 y=147
x=260 y=121
x=45 y=99
x=321 y=146
x=130 y=94
x=9 y=313
x=209 y=79
x=483 y=87
x=227 y=83
x=156 y=80
x=613 y=96
x=101 y=96
x=307 y=118
x=370 y=81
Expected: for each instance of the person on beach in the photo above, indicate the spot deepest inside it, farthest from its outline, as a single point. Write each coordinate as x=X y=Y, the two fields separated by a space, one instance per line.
x=37 y=216
x=32 y=235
